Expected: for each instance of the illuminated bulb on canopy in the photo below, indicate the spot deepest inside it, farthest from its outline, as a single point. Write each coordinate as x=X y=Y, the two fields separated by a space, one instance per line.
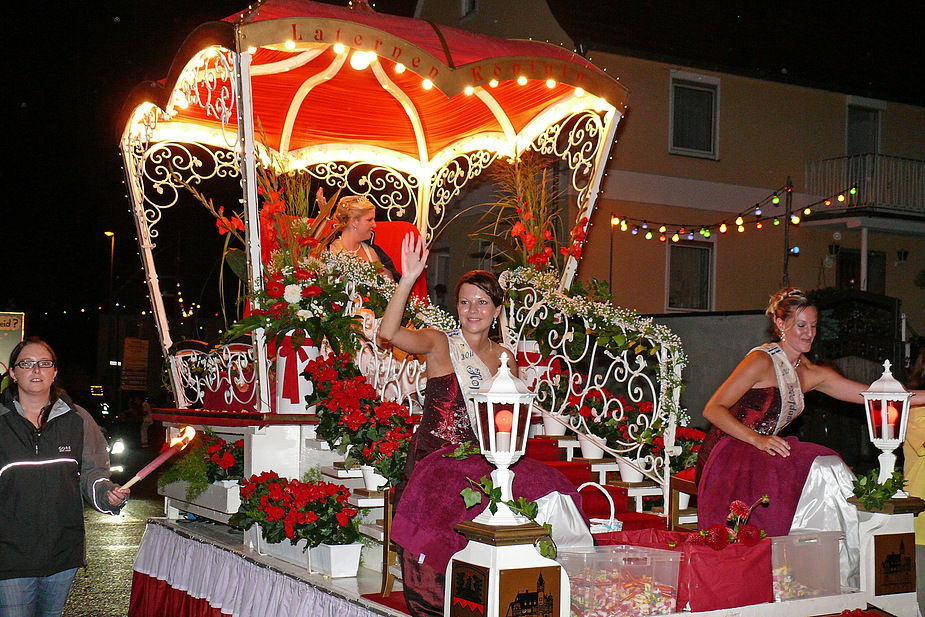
x=521 y=81
x=469 y=90
x=360 y=60
x=399 y=68
x=339 y=48
x=290 y=44
x=579 y=91
x=550 y=83
x=427 y=84
x=252 y=50
x=493 y=83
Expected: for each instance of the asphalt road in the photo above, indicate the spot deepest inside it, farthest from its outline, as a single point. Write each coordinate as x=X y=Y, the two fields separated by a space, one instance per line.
x=103 y=588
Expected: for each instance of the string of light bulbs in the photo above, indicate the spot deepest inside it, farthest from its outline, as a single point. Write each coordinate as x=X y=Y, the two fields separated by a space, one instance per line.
x=676 y=231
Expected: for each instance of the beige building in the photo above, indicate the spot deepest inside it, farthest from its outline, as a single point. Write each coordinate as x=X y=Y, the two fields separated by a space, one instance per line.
x=697 y=148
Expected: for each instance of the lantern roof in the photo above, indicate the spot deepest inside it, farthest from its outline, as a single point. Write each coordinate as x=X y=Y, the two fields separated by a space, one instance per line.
x=887 y=384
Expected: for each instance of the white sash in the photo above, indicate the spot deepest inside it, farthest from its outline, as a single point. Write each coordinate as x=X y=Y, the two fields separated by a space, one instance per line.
x=788 y=382
x=471 y=372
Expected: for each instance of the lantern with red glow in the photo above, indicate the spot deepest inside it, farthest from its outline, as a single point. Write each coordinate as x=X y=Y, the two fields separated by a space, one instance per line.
x=503 y=407
x=886 y=404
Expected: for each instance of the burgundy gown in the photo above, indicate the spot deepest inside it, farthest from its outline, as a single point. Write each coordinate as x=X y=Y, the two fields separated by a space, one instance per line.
x=430 y=504
x=729 y=469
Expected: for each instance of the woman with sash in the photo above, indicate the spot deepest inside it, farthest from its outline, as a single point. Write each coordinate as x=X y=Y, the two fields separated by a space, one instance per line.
x=458 y=362
x=743 y=457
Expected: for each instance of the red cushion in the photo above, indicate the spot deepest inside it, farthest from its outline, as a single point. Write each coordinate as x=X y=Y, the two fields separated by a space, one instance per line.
x=688 y=474
x=641 y=520
x=389 y=236
x=595 y=504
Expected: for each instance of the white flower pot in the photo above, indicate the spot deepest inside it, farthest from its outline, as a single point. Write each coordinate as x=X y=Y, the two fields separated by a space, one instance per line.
x=222 y=496
x=294 y=403
x=629 y=473
x=372 y=480
x=336 y=560
x=286 y=550
x=684 y=501
x=589 y=447
x=552 y=426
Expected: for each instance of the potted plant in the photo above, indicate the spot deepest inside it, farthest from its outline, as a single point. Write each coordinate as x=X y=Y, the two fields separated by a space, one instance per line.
x=296 y=517
x=356 y=422
x=207 y=473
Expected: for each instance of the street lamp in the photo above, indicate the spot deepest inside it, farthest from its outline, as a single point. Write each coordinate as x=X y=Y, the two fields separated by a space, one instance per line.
x=112 y=254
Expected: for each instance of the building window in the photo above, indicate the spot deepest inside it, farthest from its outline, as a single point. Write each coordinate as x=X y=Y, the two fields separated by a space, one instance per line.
x=467 y=7
x=694 y=115
x=690 y=276
x=863 y=126
x=848 y=270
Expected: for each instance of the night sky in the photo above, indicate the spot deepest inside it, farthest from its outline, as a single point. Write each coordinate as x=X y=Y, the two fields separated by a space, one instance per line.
x=68 y=72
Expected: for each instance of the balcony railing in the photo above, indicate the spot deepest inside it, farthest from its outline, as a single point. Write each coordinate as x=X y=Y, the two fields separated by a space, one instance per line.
x=885 y=184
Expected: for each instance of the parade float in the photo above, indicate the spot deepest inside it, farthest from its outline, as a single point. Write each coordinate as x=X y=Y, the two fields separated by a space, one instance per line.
x=289 y=97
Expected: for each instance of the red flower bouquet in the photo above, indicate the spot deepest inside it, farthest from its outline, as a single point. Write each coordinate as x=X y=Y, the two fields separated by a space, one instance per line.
x=224 y=461
x=317 y=512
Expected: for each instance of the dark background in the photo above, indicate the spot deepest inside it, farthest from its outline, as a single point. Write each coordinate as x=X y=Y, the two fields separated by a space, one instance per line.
x=70 y=68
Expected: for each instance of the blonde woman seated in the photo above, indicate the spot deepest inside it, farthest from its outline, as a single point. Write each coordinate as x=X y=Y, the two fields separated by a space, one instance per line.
x=355 y=221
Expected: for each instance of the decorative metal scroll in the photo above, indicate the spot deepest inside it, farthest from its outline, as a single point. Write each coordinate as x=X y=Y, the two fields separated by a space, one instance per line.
x=576 y=139
x=393 y=191
x=226 y=372
x=208 y=82
x=163 y=169
x=449 y=180
x=597 y=369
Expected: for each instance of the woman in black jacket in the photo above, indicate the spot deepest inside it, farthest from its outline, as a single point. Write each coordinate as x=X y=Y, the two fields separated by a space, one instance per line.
x=51 y=453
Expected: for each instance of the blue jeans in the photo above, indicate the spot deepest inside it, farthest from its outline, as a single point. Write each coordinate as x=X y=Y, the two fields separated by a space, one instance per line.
x=38 y=596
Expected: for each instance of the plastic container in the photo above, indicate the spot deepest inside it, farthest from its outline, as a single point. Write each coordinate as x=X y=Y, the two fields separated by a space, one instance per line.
x=805 y=565
x=621 y=581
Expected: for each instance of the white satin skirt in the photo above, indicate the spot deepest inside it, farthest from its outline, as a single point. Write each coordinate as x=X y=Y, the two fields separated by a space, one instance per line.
x=824 y=506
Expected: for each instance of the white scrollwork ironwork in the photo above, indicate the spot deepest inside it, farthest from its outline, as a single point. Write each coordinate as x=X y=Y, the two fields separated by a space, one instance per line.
x=208 y=82
x=599 y=360
x=227 y=371
x=393 y=191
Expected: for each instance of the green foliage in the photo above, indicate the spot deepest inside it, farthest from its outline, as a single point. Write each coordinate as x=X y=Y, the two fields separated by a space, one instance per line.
x=871 y=494
x=208 y=458
x=464 y=451
x=472 y=496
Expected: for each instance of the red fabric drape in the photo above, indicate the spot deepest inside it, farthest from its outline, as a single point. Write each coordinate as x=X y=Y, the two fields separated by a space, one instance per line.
x=152 y=597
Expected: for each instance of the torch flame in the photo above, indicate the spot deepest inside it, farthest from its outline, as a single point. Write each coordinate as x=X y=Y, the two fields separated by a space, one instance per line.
x=183 y=439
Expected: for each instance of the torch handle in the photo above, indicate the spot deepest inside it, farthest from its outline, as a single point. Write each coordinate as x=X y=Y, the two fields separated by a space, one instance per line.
x=131 y=482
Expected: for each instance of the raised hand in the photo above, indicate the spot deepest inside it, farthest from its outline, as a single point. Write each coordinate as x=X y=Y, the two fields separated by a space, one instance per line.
x=320 y=199
x=413 y=257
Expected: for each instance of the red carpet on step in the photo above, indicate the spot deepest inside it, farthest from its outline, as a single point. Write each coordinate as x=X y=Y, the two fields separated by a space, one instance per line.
x=395 y=600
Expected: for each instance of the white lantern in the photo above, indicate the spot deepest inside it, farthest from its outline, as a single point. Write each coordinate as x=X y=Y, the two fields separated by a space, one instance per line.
x=886 y=405
x=503 y=408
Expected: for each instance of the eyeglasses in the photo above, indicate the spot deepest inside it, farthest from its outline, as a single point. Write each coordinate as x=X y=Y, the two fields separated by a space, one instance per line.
x=27 y=365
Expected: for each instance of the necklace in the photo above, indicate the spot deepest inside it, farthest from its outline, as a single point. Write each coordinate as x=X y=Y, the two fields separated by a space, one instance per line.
x=800 y=359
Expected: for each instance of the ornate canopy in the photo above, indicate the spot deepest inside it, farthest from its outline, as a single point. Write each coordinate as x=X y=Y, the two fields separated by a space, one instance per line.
x=402 y=109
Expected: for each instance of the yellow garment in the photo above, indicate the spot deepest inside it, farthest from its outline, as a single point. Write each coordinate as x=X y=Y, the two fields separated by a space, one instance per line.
x=914 y=468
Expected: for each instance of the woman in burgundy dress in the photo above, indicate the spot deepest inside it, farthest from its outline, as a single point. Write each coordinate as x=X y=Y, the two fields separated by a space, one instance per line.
x=458 y=363
x=743 y=457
